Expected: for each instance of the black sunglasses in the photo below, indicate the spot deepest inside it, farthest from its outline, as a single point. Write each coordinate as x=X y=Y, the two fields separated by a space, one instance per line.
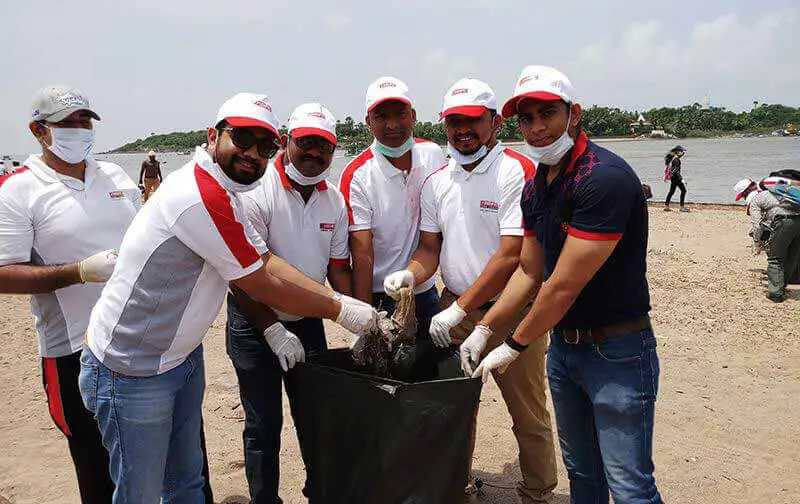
x=244 y=139
x=310 y=142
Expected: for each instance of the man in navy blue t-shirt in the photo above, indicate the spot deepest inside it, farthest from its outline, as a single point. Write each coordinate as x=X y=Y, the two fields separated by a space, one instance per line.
x=583 y=261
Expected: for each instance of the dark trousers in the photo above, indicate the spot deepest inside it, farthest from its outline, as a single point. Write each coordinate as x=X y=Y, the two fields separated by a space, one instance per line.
x=427 y=304
x=676 y=183
x=260 y=380
x=783 y=256
x=60 y=380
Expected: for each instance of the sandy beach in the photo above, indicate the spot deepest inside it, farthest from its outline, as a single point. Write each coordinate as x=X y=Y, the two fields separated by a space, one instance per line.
x=727 y=428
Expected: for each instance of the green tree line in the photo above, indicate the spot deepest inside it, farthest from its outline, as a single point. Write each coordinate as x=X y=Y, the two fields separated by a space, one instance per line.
x=687 y=121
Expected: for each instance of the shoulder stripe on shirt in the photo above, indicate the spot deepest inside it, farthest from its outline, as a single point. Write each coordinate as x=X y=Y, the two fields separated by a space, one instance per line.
x=9 y=175
x=528 y=166
x=218 y=205
x=591 y=235
x=421 y=140
x=347 y=180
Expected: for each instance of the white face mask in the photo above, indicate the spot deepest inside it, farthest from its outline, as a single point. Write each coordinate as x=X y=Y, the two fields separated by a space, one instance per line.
x=294 y=174
x=552 y=154
x=71 y=145
x=394 y=152
x=203 y=158
x=466 y=159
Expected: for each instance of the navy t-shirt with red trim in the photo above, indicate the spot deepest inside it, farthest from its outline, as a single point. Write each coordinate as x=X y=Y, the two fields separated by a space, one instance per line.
x=597 y=197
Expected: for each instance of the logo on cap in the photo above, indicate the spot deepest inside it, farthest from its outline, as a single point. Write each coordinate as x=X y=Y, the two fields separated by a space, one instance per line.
x=387 y=84
x=459 y=91
x=71 y=100
x=317 y=114
x=528 y=78
x=263 y=105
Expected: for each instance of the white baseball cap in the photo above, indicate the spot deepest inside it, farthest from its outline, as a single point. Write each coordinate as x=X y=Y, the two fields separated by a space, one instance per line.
x=313 y=119
x=385 y=89
x=152 y=153
x=469 y=97
x=541 y=82
x=249 y=109
x=55 y=103
x=741 y=187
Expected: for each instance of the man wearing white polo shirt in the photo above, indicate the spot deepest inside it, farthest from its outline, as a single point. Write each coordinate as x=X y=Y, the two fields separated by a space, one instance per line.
x=142 y=372
x=302 y=218
x=471 y=227
x=381 y=187
x=61 y=217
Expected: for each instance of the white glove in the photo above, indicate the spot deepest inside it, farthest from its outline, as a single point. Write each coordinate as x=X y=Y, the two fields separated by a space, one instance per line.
x=473 y=347
x=396 y=281
x=442 y=322
x=285 y=345
x=356 y=316
x=98 y=267
x=498 y=359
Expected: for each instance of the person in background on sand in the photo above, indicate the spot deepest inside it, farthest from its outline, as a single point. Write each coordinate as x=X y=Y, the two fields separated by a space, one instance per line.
x=62 y=216
x=150 y=175
x=471 y=225
x=672 y=173
x=3 y=169
x=381 y=187
x=303 y=220
x=142 y=367
x=583 y=264
x=782 y=220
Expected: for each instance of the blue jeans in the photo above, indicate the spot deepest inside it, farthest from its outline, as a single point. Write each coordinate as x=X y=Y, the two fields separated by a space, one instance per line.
x=260 y=388
x=427 y=304
x=604 y=398
x=151 y=428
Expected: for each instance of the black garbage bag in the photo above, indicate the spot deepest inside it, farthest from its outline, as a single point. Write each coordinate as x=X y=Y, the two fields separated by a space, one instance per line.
x=370 y=440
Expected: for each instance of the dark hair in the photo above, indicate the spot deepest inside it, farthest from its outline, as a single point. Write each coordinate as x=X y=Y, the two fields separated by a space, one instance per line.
x=222 y=124
x=668 y=157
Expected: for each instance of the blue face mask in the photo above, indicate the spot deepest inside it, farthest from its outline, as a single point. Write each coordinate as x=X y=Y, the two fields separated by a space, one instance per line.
x=394 y=152
x=466 y=159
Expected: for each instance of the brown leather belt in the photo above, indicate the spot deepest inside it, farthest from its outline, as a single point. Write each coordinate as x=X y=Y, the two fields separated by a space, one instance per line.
x=598 y=334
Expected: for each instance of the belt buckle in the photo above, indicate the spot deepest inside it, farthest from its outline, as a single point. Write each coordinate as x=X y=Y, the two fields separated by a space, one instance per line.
x=571 y=341
x=577 y=338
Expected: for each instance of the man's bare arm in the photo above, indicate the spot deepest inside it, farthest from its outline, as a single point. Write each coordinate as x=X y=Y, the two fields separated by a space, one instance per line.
x=32 y=279
x=340 y=276
x=521 y=288
x=363 y=264
x=425 y=259
x=494 y=276
x=579 y=262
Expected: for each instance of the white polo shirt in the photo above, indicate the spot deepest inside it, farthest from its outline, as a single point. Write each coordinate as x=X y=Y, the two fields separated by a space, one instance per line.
x=49 y=218
x=382 y=198
x=176 y=260
x=472 y=210
x=309 y=235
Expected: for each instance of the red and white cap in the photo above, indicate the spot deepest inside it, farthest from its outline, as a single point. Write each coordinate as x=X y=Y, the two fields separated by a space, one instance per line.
x=385 y=89
x=249 y=110
x=741 y=187
x=541 y=82
x=313 y=119
x=469 y=97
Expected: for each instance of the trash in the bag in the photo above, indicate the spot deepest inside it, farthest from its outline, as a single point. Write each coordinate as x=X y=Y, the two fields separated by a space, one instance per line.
x=389 y=350
x=371 y=440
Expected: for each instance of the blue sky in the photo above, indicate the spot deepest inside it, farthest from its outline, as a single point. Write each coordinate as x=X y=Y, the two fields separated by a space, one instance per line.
x=167 y=65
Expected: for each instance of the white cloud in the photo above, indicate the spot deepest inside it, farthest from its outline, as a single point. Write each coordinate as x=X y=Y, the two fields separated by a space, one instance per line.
x=734 y=59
